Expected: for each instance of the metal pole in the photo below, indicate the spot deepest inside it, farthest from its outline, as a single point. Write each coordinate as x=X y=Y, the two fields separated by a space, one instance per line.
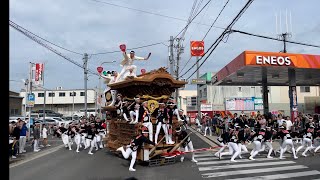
x=198 y=90
x=30 y=91
x=177 y=70
x=95 y=102
x=99 y=97
x=25 y=104
x=72 y=104
x=85 y=67
x=171 y=59
x=44 y=104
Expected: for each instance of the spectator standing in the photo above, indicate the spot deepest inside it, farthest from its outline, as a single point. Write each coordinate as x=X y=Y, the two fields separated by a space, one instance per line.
x=16 y=137
x=36 y=137
x=23 y=137
x=45 y=136
x=288 y=124
x=252 y=122
x=263 y=122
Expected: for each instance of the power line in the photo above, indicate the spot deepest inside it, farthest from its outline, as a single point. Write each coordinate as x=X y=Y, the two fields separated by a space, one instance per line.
x=49 y=41
x=192 y=19
x=110 y=52
x=33 y=37
x=219 y=39
x=271 y=38
x=148 y=12
x=215 y=20
x=206 y=34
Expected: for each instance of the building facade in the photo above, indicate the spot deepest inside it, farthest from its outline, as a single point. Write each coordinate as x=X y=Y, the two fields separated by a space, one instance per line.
x=308 y=97
x=15 y=104
x=62 y=101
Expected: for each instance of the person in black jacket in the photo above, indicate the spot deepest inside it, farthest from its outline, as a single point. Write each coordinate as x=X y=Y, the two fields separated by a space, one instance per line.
x=16 y=136
x=242 y=140
x=267 y=142
x=187 y=144
x=135 y=144
x=308 y=136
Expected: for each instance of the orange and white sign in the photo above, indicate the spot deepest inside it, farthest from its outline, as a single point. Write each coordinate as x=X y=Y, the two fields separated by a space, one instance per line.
x=281 y=59
x=197 y=48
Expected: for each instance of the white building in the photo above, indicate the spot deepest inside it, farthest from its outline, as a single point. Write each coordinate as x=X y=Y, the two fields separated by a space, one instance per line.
x=62 y=100
x=308 y=96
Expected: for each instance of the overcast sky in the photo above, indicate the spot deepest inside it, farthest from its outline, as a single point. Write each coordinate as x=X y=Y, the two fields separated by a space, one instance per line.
x=87 y=26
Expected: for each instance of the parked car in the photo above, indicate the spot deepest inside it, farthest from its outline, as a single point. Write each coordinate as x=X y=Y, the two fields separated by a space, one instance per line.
x=55 y=121
x=14 y=118
x=90 y=111
x=49 y=113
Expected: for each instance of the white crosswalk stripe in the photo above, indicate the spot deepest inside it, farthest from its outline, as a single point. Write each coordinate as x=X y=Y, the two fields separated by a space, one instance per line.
x=244 y=169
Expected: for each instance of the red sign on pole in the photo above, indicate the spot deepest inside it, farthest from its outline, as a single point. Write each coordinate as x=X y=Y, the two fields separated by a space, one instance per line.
x=99 y=69
x=39 y=73
x=197 y=48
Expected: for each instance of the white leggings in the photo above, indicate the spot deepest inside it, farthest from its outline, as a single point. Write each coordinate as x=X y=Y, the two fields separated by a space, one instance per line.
x=164 y=127
x=242 y=147
x=256 y=149
x=284 y=145
x=91 y=143
x=150 y=128
x=233 y=150
x=269 y=145
x=221 y=149
x=188 y=147
x=305 y=142
x=134 y=113
x=205 y=130
x=129 y=152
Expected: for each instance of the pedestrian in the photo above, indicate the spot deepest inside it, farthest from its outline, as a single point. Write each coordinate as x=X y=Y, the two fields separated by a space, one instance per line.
x=135 y=144
x=16 y=137
x=23 y=137
x=36 y=137
x=45 y=136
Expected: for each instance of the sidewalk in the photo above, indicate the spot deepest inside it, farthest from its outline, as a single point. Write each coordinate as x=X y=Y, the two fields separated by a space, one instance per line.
x=53 y=141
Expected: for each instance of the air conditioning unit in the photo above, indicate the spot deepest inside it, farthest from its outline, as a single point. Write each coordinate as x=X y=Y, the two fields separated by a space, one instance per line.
x=59 y=88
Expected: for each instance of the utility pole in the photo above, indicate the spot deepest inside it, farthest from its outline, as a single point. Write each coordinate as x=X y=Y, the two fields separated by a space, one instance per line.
x=198 y=90
x=72 y=104
x=30 y=91
x=171 y=58
x=180 y=50
x=85 y=67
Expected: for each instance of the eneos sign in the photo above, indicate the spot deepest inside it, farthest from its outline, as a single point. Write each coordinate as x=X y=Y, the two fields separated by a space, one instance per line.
x=273 y=60
x=197 y=48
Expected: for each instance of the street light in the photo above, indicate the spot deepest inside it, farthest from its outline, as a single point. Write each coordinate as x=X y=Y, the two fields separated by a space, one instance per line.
x=106 y=62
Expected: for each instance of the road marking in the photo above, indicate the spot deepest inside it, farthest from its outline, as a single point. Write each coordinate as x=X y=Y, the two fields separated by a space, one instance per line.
x=39 y=154
x=252 y=171
x=239 y=161
x=281 y=176
x=244 y=165
x=204 y=155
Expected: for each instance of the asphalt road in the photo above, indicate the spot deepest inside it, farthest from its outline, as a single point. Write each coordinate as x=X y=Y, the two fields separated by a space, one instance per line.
x=64 y=164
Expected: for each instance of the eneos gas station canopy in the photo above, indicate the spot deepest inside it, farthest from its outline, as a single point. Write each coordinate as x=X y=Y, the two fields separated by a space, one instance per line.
x=250 y=67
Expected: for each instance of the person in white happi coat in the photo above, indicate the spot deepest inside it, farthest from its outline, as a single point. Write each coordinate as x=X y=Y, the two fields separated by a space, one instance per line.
x=286 y=141
x=308 y=137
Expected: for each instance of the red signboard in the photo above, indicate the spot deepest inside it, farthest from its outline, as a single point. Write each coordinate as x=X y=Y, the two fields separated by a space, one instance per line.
x=99 y=69
x=197 y=48
x=39 y=74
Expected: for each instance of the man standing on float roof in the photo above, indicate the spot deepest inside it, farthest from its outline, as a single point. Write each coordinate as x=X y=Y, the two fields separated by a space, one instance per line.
x=127 y=64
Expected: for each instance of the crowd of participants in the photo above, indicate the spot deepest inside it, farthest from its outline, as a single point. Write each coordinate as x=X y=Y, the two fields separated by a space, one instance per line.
x=237 y=131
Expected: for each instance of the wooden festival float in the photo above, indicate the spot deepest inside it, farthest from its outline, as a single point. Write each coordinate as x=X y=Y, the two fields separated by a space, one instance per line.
x=152 y=87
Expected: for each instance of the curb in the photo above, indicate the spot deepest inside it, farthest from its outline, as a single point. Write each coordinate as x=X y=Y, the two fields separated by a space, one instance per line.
x=205 y=136
x=35 y=156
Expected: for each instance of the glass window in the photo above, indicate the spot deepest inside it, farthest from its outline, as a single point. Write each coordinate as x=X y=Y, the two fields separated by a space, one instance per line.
x=62 y=94
x=81 y=93
x=239 y=89
x=74 y=93
x=304 y=88
x=51 y=94
x=40 y=94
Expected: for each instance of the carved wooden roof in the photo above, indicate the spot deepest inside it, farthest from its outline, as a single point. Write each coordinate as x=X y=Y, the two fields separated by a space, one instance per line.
x=154 y=83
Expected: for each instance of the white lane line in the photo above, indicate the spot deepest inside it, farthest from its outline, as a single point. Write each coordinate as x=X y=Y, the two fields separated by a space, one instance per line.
x=39 y=154
x=238 y=161
x=252 y=171
x=205 y=155
x=244 y=165
x=282 y=176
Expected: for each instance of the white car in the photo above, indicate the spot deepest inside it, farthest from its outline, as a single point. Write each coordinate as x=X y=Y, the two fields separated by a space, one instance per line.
x=55 y=121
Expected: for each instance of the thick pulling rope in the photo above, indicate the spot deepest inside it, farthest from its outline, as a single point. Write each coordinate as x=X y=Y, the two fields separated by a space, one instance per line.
x=177 y=153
